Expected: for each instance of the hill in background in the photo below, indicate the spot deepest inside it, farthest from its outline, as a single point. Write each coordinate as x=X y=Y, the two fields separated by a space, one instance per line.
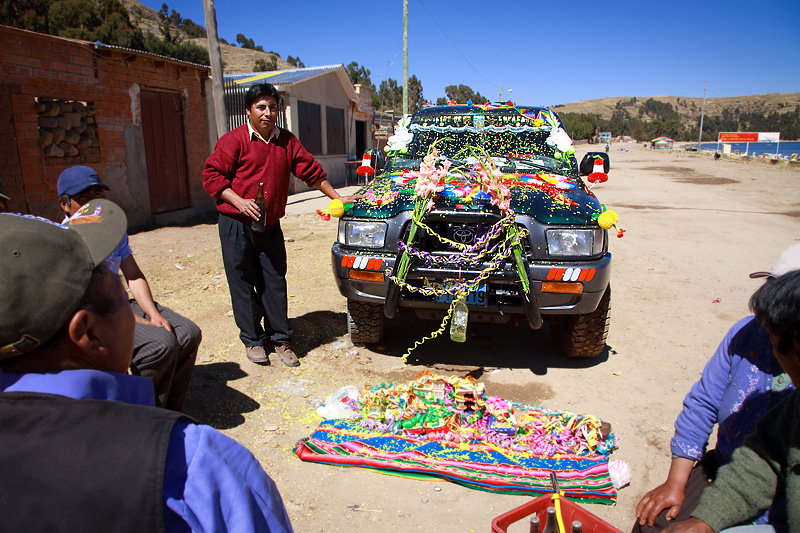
x=688 y=108
x=235 y=60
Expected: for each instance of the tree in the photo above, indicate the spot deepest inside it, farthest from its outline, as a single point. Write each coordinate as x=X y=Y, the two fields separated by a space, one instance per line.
x=183 y=50
x=295 y=61
x=390 y=95
x=26 y=14
x=244 y=42
x=461 y=94
x=264 y=65
x=415 y=99
x=359 y=74
x=105 y=21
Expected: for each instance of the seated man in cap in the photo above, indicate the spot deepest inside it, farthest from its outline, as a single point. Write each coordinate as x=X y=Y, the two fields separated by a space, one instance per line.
x=165 y=343
x=81 y=447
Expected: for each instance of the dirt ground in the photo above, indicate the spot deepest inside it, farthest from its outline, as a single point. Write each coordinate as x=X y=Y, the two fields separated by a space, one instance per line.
x=695 y=228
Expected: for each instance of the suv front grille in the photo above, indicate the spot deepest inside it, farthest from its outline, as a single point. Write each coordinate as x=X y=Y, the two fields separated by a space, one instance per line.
x=461 y=231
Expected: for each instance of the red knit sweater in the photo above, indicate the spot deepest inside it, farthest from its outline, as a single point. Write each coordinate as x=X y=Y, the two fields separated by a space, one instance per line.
x=241 y=164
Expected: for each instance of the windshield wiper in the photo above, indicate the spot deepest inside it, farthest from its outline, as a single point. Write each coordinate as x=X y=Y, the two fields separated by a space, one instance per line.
x=527 y=161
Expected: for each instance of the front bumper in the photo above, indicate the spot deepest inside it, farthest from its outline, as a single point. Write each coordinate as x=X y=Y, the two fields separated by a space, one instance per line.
x=503 y=291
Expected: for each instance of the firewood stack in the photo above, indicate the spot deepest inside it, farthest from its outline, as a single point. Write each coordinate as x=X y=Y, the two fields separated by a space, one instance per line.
x=65 y=127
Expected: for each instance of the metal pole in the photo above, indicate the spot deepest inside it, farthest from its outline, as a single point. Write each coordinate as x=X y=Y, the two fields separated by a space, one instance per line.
x=214 y=55
x=405 y=57
x=500 y=94
x=702 y=112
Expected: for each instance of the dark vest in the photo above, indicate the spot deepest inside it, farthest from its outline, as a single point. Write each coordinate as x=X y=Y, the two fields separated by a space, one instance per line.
x=81 y=465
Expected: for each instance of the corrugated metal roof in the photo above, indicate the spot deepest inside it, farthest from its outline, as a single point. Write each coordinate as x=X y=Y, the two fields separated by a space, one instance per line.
x=282 y=77
x=97 y=45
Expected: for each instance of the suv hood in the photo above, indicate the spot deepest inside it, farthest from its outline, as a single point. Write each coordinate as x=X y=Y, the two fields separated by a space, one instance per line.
x=547 y=197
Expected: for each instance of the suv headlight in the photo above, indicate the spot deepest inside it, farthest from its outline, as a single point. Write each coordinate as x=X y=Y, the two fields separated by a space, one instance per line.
x=575 y=242
x=362 y=233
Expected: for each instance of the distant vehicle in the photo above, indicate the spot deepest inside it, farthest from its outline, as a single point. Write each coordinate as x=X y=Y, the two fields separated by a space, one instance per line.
x=565 y=253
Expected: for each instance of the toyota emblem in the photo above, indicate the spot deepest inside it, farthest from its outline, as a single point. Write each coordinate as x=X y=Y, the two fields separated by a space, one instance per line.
x=464 y=235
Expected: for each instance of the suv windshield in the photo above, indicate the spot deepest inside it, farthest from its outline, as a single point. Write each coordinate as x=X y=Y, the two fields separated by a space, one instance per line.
x=517 y=142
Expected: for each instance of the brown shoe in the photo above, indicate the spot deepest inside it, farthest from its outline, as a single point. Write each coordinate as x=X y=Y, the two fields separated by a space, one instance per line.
x=256 y=354
x=286 y=355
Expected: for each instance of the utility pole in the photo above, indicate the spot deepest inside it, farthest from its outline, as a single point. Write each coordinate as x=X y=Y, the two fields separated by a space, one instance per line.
x=214 y=55
x=500 y=94
x=405 y=57
x=702 y=112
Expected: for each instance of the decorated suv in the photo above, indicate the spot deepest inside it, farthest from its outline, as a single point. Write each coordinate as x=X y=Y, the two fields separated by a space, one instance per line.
x=483 y=206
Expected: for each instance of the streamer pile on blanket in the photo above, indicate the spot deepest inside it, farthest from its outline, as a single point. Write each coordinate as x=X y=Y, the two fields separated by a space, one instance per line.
x=445 y=426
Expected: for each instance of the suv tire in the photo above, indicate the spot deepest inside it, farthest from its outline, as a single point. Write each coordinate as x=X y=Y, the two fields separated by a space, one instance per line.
x=583 y=336
x=364 y=322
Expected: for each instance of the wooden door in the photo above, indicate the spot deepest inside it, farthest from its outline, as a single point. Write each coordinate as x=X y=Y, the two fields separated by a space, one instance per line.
x=165 y=151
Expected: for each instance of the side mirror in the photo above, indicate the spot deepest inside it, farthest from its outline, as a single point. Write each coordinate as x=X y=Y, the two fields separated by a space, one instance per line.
x=587 y=163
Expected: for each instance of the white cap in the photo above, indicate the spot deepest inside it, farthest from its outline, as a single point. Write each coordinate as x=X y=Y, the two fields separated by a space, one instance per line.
x=788 y=260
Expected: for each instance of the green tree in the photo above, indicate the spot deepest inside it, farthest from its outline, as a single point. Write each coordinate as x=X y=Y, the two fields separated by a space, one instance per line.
x=264 y=65
x=244 y=42
x=415 y=98
x=94 y=20
x=26 y=14
x=183 y=50
x=359 y=74
x=296 y=62
x=390 y=96
x=461 y=94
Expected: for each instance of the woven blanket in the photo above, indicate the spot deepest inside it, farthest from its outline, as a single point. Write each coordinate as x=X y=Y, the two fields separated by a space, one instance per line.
x=478 y=465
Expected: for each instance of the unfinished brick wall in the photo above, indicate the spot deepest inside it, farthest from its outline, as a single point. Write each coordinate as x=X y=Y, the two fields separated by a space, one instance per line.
x=36 y=69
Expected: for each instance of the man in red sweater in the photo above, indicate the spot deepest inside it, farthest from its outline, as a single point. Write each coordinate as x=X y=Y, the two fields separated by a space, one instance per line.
x=255 y=261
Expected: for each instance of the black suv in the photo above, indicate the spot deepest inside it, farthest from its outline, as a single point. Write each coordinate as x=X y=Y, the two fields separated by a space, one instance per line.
x=564 y=252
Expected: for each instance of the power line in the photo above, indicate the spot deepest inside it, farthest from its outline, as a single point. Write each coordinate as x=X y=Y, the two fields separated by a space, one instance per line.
x=454 y=44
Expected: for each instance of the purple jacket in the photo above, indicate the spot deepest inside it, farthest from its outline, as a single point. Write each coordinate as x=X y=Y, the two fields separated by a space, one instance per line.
x=735 y=391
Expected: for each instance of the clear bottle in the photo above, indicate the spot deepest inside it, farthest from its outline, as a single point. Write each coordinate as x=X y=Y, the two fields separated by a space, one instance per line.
x=534 y=524
x=458 y=325
x=551 y=523
x=261 y=224
x=577 y=527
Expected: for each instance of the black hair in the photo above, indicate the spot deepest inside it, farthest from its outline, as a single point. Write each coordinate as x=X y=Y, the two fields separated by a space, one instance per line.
x=261 y=90
x=777 y=307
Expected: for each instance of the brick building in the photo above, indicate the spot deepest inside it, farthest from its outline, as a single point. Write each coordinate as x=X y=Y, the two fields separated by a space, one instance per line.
x=139 y=119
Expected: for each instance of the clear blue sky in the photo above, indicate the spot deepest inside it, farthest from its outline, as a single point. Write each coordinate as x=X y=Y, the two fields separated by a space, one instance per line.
x=547 y=53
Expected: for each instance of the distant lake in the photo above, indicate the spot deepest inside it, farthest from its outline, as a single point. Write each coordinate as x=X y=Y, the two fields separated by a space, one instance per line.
x=790 y=149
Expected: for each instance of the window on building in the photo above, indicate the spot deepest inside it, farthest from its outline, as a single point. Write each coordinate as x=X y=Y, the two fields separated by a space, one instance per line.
x=335 y=129
x=310 y=122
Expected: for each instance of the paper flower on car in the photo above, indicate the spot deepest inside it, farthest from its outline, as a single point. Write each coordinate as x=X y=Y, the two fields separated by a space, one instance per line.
x=560 y=139
x=607 y=220
x=401 y=138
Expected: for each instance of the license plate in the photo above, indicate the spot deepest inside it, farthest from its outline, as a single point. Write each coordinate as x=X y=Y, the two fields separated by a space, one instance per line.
x=475 y=298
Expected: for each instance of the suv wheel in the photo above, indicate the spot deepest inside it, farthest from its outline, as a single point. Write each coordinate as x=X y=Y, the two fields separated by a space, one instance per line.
x=364 y=322
x=583 y=336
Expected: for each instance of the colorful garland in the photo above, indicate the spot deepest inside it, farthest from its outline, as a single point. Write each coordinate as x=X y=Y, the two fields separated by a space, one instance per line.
x=454 y=409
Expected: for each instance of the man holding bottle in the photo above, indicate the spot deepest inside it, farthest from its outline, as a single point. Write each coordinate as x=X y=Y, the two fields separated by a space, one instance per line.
x=259 y=152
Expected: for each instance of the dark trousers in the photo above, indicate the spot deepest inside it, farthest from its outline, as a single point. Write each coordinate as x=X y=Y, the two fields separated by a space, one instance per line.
x=166 y=358
x=255 y=265
x=700 y=478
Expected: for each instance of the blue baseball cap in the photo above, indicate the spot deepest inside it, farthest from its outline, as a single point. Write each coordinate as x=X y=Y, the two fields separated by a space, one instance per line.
x=77 y=179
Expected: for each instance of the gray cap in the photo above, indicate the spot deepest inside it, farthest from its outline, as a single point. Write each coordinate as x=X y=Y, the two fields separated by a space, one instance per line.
x=47 y=268
x=788 y=260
